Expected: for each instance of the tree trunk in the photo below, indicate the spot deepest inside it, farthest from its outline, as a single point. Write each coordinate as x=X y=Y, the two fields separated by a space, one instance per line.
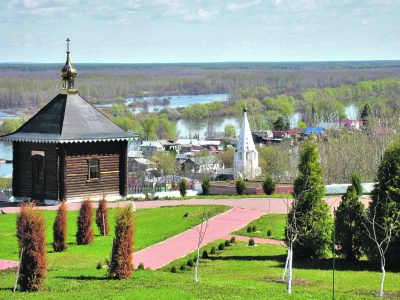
x=286 y=264
x=289 y=282
x=382 y=282
x=196 y=268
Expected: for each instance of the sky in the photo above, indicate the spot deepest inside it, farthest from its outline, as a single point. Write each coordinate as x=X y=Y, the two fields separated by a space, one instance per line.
x=163 y=31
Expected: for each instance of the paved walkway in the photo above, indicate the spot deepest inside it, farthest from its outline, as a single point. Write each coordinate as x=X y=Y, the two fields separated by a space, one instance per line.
x=161 y=254
x=265 y=205
x=7 y=264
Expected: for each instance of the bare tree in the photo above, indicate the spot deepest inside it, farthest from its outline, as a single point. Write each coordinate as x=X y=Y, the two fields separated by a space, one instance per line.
x=201 y=230
x=381 y=233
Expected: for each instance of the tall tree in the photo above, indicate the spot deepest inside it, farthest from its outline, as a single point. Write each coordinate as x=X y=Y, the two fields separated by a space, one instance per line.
x=349 y=224
x=281 y=124
x=315 y=231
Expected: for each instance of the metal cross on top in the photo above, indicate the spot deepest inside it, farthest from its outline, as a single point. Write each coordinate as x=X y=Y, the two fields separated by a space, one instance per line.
x=68 y=40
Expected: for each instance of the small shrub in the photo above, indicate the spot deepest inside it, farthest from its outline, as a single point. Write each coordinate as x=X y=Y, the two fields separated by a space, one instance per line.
x=213 y=250
x=205 y=254
x=249 y=228
x=85 y=231
x=183 y=186
x=121 y=265
x=173 y=269
x=182 y=268
x=240 y=186
x=190 y=263
x=60 y=229
x=141 y=266
x=251 y=242
x=254 y=228
x=233 y=240
x=102 y=217
x=32 y=241
x=269 y=232
x=205 y=185
x=221 y=246
x=268 y=185
x=99 y=266
x=227 y=243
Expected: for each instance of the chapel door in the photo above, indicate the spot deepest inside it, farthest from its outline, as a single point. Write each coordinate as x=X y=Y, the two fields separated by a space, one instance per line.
x=38 y=171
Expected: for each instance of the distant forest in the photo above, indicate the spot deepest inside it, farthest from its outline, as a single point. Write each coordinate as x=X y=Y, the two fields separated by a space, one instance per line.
x=32 y=85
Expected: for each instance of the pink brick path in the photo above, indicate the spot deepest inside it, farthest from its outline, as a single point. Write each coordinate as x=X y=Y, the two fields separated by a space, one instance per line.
x=266 y=205
x=219 y=227
x=6 y=264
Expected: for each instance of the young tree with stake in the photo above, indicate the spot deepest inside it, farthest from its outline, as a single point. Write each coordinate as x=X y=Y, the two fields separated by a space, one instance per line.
x=201 y=230
x=382 y=223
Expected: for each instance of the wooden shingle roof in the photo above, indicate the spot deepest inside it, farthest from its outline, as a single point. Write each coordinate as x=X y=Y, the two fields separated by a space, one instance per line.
x=68 y=118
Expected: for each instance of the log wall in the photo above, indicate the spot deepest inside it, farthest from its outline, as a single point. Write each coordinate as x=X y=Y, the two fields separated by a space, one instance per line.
x=22 y=169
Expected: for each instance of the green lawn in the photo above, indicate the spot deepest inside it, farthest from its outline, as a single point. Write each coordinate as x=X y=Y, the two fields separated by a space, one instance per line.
x=151 y=226
x=274 y=222
x=239 y=271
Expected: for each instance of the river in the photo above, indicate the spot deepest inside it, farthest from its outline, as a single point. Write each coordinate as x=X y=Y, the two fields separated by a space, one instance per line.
x=185 y=128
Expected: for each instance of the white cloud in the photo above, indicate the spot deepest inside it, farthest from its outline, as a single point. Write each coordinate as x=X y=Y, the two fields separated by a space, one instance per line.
x=120 y=21
x=234 y=6
x=32 y=3
x=200 y=15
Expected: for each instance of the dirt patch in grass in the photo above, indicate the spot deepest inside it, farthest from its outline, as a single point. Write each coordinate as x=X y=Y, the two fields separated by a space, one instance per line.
x=295 y=281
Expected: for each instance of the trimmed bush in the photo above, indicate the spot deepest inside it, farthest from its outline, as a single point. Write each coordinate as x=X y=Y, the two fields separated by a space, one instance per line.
x=182 y=268
x=32 y=244
x=173 y=269
x=85 y=231
x=268 y=185
x=233 y=240
x=205 y=254
x=102 y=217
x=221 y=246
x=183 y=186
x=205 y=185
x=227 y=243
x=190 y=263
x=249 y=229
x=121 y=266
x=254 y=228
x=213 y=250
x=251 y=242
x=269 y=232
x=240 y=186
x=60 y=229
x=140 y=266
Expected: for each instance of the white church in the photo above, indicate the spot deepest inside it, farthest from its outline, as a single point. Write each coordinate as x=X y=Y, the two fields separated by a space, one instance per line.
x=245 y=160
